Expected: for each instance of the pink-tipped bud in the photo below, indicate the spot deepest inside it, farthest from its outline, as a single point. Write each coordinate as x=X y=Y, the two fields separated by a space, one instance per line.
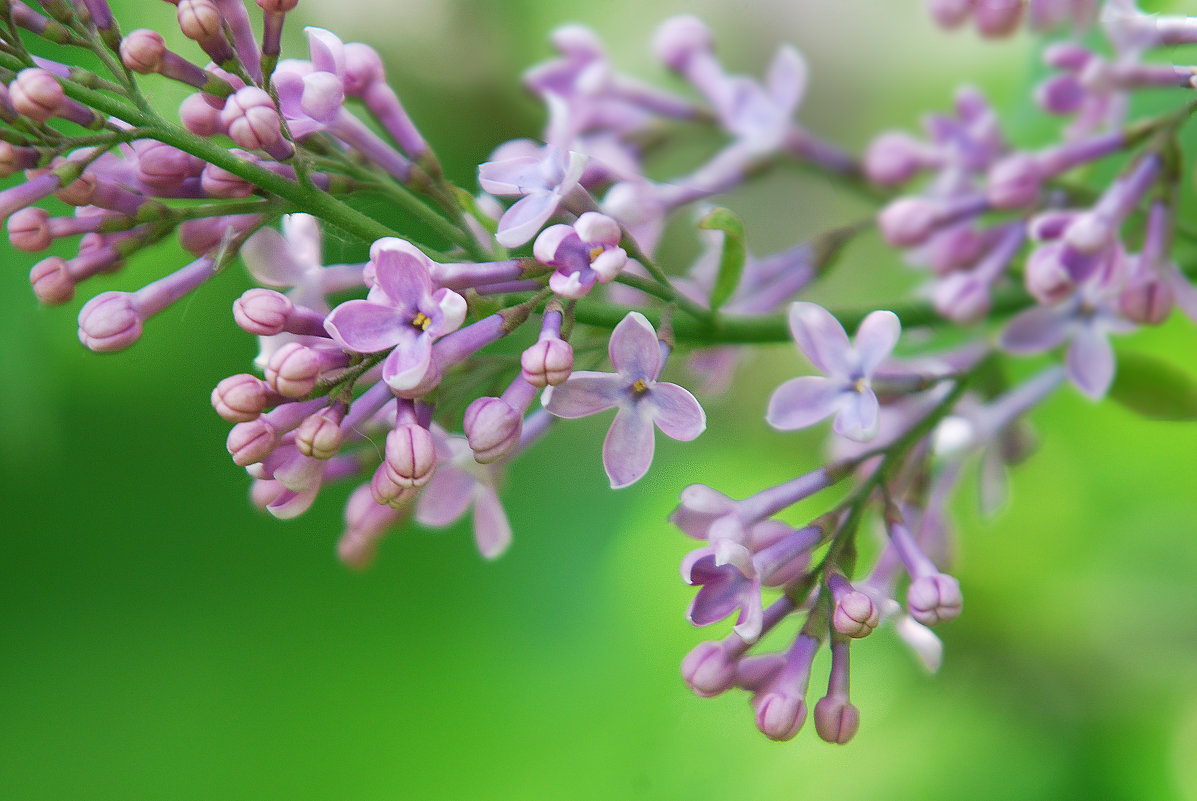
x=51 y=280
x=109 y=322
x=950 y=13
x=547 y=363
x=363 y=67
x=492 y=427
x=28 y=231
x=262 y=312
x=252 y=441
x=997 y=18
x=241 y=398
x=934 y=599
x=163 y=168
x=36 y=94
x=893 y=158
x=856 y=615
x=779 y=716
x=199 y=19
x=1014 y=182
x=908 y=221
x=198 y=116
x=409 y=464
x=708 y=671
x=679 y=38
x=836 y=720
x=219 y=182
x=142 y=50
x=1148 y=303
x=251 y=119
x=319 y=435
x=293 y=370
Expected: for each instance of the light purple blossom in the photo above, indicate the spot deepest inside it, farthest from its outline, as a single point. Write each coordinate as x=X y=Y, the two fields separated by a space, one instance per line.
x=402 y=311
x=583 y=253
x=846 y=390
x=642 y=400
x=459 y=484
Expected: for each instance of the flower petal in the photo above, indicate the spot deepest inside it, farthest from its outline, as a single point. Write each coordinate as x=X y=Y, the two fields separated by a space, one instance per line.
x=363 y=326
x=447 y=312
x=875 y=339
x=270 y=259
x=628 y=448
x=787 y=77
x=446 y=497
x=408 y=363
x=860 y=416
x=326 y=50
x=521 y=222
x=1091 y=362
x=633 y=349
x=1035 y=330
x=402 y=276
x=821 y=337
x=675 y=411
x=492 y=531
x=585 y=393
x=804 y=401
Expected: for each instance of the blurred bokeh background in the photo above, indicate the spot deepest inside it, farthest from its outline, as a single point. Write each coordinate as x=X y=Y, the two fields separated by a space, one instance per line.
x=161 y=639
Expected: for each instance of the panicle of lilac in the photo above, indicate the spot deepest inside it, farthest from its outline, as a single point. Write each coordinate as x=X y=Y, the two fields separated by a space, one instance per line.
x=113 y=320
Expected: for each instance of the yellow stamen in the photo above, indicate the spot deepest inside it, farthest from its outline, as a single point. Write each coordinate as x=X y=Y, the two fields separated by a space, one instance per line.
x=595 y=252
x=639 y=387
x=421 y=321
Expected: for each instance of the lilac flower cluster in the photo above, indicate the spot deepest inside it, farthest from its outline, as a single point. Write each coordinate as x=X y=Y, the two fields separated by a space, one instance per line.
x=403 y=390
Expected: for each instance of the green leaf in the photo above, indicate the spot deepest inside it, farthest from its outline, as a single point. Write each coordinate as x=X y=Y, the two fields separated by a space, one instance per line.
x=1154 y=389
x=735 y=252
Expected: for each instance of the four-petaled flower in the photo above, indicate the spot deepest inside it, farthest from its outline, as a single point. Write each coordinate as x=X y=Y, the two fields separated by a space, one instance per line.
x=642 y=401
x=402 y=311
x=847 y=390
x=583 y=253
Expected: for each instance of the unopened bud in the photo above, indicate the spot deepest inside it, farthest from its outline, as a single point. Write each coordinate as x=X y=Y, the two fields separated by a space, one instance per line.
x=28 y=231
x=36 y=94
x=856 y=615
x=252 y=441
x=241 y=398
x=319 y=435
x=251 y=119
x=933 y=599
x=142 y=50
x=492 y=427
x=293 y=370
x=262 y=312
x=708 y=671
x=836 y=720
x=779 y=716
x=200 y=19
x=679 y=38
x=109 y=322
x=52 y=282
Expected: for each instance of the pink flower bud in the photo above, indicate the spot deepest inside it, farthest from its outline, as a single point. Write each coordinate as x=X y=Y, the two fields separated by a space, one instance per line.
x=856 y=615
x=386 y=491
x=199 y=117
x=241 y=398
x=319 y=435
x=142 y=50
x=252 y=441
x=1014 y=182
x=14 y=158
x=109 y=322
x=200 y=19
x=547 y=363
x=219 y=182
x=933 y=599
x=293 y=370
x=52 y=282
x=262 y=312
x=28 y=231
x=410 y=456
x=708 y=671
x=779 y=716
x=36 y=94
x=1148 y=303
x=679 y=38
x=997 y=18
x=251 y=119
x=836 y=720
x=492 y=427
x=163 y=168
x=1046 y=276
x=894 y=158
x=908 y=221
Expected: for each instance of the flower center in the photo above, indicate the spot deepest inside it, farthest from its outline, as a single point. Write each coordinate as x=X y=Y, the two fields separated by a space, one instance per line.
x=639 y=387
x=421 y=321
x=595 y=252
x=860 y=385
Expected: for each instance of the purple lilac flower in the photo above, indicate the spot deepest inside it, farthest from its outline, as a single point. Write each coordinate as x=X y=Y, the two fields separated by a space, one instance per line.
x=642 y=401
x=402 y=311
x=543 y=181
x=459 y=484
x=584 y=253
x=846 y=391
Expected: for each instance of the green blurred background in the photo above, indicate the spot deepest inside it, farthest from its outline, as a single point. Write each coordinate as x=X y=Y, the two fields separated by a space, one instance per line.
x=161 y=639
